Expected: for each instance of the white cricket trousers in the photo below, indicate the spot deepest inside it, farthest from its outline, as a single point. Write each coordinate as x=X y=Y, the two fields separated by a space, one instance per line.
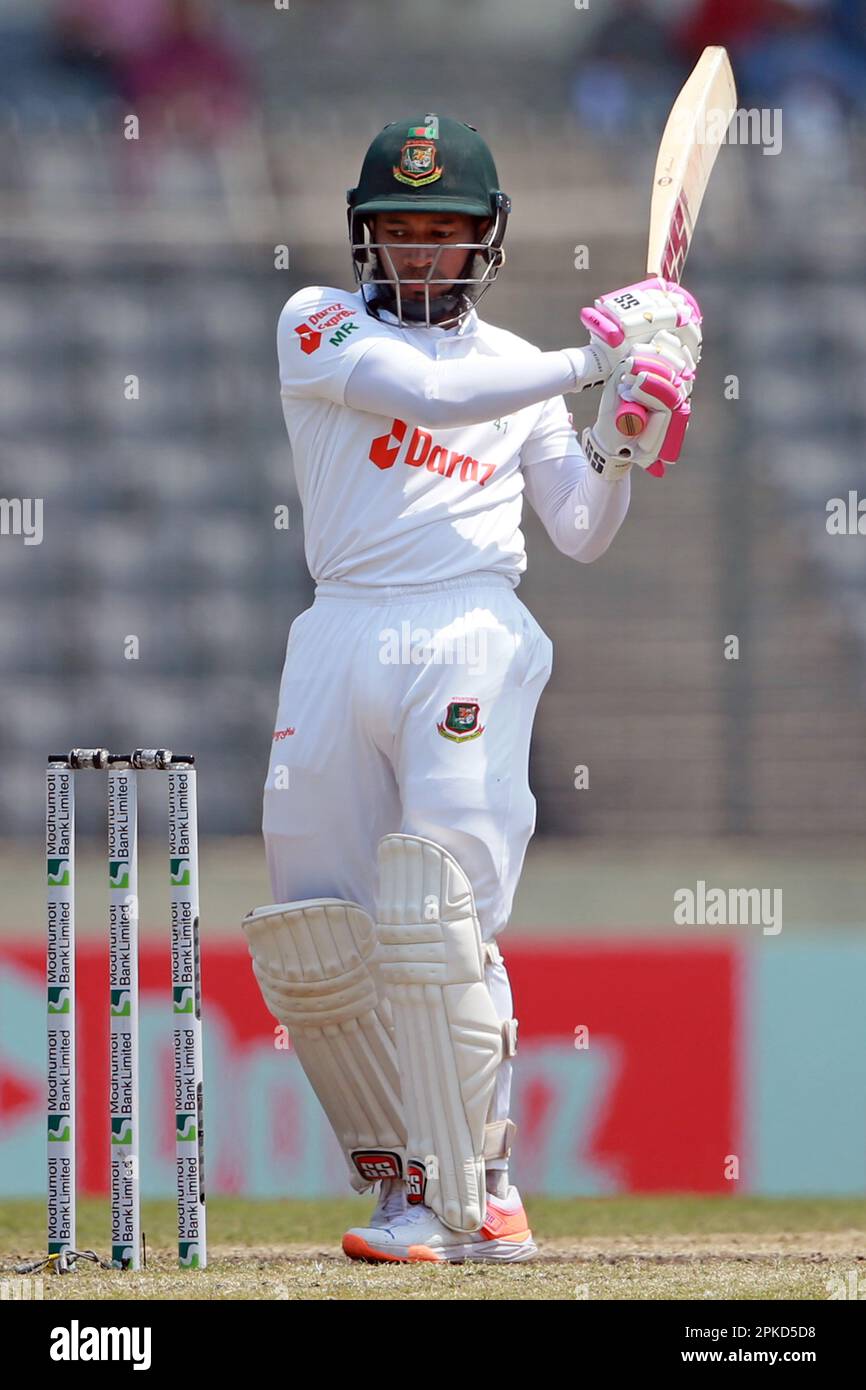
x=370 y=738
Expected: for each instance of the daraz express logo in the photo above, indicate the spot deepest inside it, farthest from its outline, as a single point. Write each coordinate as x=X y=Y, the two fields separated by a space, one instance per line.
x=311 y=332
x=423 y=452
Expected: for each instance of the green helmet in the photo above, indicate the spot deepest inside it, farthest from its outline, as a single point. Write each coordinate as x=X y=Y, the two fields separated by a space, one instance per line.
x=432 y=164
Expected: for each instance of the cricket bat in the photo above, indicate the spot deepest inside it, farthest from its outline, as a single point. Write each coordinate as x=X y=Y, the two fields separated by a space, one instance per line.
x=694 y=132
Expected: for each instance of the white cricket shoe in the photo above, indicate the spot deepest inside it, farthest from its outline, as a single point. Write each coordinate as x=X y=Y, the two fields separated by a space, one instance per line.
x=391 y=1206
x=420 y=1235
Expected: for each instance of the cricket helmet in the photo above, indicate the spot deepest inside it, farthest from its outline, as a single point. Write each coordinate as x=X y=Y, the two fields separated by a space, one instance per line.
x=431 y=164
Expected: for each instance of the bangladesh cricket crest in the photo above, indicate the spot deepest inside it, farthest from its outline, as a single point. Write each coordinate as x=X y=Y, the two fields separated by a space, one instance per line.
x=461 y=721
x=418 y=163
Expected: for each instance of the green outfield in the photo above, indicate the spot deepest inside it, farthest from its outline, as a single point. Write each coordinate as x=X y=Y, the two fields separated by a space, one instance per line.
x=595 y=1248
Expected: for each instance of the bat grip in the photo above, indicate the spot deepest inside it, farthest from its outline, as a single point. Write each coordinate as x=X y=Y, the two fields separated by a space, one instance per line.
x=631 y=418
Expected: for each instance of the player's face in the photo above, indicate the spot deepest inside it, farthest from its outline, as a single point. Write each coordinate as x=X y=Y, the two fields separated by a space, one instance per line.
x=421 y=235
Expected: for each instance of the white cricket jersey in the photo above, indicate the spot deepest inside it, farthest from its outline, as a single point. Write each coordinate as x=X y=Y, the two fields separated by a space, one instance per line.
x=407 y=483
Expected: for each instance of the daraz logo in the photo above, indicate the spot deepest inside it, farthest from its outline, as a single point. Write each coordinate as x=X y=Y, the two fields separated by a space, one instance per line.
x=310 y=332
x=422 y=451
x=310 y=340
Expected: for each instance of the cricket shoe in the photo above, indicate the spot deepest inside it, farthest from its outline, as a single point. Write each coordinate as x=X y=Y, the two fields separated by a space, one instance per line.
x=504 y=1238
x=391 y=1206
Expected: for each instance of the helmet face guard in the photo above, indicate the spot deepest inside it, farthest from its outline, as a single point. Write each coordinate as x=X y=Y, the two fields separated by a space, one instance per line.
x=446 y=300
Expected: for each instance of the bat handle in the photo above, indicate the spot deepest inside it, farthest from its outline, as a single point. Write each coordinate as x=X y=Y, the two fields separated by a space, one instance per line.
x=631 y=418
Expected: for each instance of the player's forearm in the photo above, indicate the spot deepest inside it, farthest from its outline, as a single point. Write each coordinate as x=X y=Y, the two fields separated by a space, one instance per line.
x=580 y=512
x=390 y=380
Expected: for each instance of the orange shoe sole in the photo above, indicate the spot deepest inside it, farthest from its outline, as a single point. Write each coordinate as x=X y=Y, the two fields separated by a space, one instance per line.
x=357 y=1249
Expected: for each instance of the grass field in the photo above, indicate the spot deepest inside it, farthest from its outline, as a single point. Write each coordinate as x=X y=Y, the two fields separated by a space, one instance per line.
x=595 y=1248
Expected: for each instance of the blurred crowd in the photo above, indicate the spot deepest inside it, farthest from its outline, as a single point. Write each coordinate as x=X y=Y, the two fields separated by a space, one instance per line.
x=804 y=56
x=175 y=63
x=196 y=65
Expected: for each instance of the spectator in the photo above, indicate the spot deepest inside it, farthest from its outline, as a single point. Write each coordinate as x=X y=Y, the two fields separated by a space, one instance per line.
x=810 y=50
x=188 y=75
x=609 y=93
x=169 y=60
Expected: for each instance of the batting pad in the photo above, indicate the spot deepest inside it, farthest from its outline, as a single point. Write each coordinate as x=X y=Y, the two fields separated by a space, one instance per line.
x=312 y=962
x=450 y=1041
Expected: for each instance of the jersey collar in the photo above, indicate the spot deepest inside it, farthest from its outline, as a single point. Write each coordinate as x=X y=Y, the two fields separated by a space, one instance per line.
x=464 y=329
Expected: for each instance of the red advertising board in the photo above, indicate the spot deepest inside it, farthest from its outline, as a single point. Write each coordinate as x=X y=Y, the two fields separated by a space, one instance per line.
x=626 y=1076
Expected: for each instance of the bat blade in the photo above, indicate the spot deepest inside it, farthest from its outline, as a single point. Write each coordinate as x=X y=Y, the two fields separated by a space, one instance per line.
x=689 y=146
x=690 y=143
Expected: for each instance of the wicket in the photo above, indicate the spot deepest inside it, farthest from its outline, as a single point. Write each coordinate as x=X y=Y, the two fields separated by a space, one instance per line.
x=124 y=1125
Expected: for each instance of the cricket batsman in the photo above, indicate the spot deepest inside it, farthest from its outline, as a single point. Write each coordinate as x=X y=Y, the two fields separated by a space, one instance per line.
x=397 y=807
